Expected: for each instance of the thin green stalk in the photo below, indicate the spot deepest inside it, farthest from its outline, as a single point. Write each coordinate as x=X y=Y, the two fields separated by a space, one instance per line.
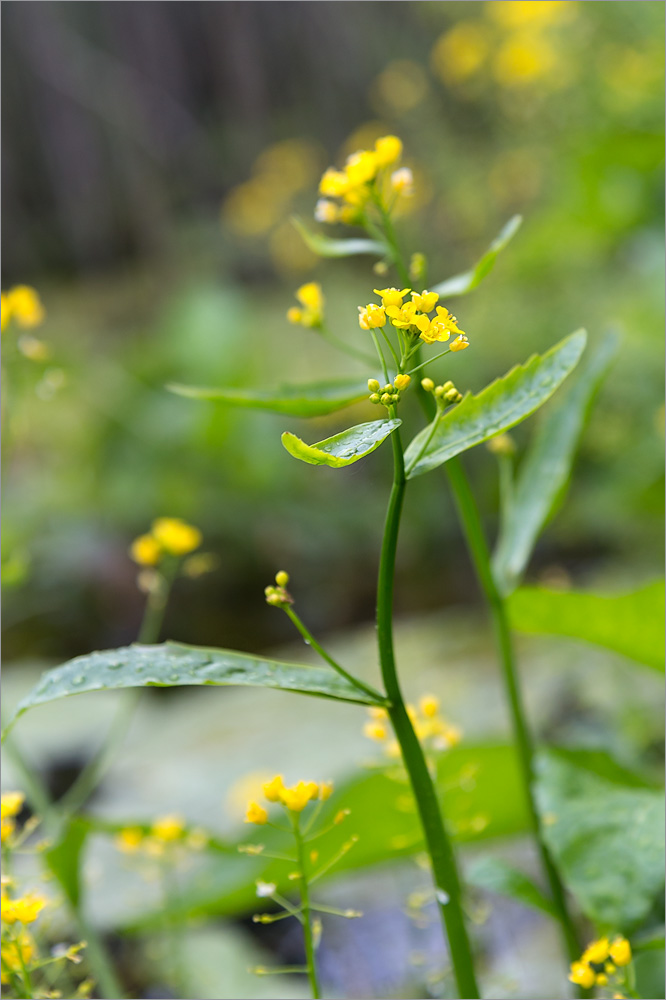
x=476 y=541
x=311 y=641
x=445 y=873
x=310 y=957
x=353 y=352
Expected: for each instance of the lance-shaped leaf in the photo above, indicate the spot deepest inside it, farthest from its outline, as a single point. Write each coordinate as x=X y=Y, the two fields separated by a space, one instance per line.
x=632 y=624
x=343 y=448
x=172 y=664
x=461 y=284
x=498 y=407
x=312 y=399
x=327 y=246
x=545 y=470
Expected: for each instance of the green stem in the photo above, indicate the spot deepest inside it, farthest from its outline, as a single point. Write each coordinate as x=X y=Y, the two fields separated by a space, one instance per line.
x=439 y=846
x=353 y=352
x=476 y=542
x=306 y=910
x=311 y=641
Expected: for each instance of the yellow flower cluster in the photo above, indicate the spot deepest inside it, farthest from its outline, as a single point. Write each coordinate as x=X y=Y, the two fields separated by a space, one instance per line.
x=412 y=316
x=18 y=946
x=353 y=185
x=168 y=536
x=165 y=832
x=294 y=798
x=444 y=394
x=23 y=304
x=311 y=311
x=278 y=595
x=389 y=394
x=11 y=804
x=23 y=909
x=602 y=963
x=433 y=731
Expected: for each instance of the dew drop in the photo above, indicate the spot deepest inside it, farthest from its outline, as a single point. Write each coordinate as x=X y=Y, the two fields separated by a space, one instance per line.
x=79 y=680
x=115 y=665
x=174 y=678
x=442 y=897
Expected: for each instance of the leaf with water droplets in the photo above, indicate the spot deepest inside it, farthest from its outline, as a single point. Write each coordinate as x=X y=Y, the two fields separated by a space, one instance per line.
x=343 y=448
x=497 y=408
x=174 y=665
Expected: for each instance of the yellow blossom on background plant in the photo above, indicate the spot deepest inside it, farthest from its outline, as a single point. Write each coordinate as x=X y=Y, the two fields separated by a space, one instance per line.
x=168 y=828
x=459 y=344
x=23 y=304
x=311 y=298
x=146 y=550
x=523 y=58
x=176 y=536
x=129 y=840
x=391 y=296
x=514 y=13
x=256 y=814
x=17 y=954
x=371 y=316
x=460 y=52
x=297 y=797
x=24 y=909
x=620 y=951
x=274 y=788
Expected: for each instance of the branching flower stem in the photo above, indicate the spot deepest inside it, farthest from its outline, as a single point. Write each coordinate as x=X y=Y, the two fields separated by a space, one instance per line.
x=445 y=873
x=310 y=957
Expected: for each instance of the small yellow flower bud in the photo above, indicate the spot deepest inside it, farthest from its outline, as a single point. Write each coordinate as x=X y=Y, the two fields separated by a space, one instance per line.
x=388 y=149
x=620 y=951
x=429 y=705
x=582 y=975
x=295 y=315
x=341 y=816
x=503 y=444
x=145 y=550
x=256 y=814
x=439 y=391
x=282 y=578
x=375 y=397
x=597 y=951
x=417 y=266
x=129 y=840
x=609 y=968
x=402 y=381
x=427 y=384
x=373 y=385
x=602 y=980
x=168 y=827
x=325 y=790
x=380 y=267
x=386 y=399
x=274 y=788
x=375 y=731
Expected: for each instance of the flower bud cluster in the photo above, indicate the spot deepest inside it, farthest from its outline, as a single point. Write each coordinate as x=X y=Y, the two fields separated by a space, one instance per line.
x=277 y=595
x=445 y=394
x=389 y=394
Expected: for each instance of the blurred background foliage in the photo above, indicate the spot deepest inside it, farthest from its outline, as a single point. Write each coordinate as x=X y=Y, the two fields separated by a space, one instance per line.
x=153 y=155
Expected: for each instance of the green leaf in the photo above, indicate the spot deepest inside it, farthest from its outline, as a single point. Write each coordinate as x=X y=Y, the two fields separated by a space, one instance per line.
x=175 y=665
x=64 y=858
x=326 y=246
x=495 y=875
x=313 y=399
x=344 y=448
x=461 y=284
x=632 y=624
x=545 y=469
x=483 y=799
x=608 y=842
x=498 y=407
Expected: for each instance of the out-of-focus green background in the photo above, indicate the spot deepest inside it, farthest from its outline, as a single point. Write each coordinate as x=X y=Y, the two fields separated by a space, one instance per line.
x=153 y=154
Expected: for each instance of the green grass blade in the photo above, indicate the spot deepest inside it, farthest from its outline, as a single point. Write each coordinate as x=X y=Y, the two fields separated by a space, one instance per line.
x=312 y=399
x=462 y=284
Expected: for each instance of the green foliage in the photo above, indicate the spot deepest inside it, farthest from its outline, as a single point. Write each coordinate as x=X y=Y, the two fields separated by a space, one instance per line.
x=175 y=665
x=607 y=840
x=545 y=470
x=495 y=875
x=326 y=246
x=498 y=407
x=343 y=448
x=466 y=282
x=483 y=799
x=313 y=399
x=632 y=624
x=64 y=858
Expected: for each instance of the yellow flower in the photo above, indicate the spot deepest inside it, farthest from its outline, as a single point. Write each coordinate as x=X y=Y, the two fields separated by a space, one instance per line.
x=458 y=53
x=24 y=910
x=582 y=975
x=388 y=149
x=620 y=951
x=375 y=731
x=129 y=840
x=432 y=330
x=274 y=788
x=425 y=301
x=24 y=305
x=602 y=979
x=6 y=311
x=361 y=168
x=176 y=536
x=524 y=58
x=429 y=706
x=597 y=952
x=11 y=804
x=326 y=211
x=402 y=316
x=16 y=953
x=168 y=828
x=513 y=13
x=7 y=827
x=334 y=183
x=371 y=316
x=256 y=814
x=459 y=344
x=402 y=381
x=146 y=550
x=311 y=298
x=297 y=797
x=294 y=314
x=391 y=296
x=402 y=182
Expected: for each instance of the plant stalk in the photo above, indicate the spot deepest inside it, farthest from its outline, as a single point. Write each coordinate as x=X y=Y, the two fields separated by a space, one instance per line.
x=478 y=548
x=306 y=910
x=444 y=869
